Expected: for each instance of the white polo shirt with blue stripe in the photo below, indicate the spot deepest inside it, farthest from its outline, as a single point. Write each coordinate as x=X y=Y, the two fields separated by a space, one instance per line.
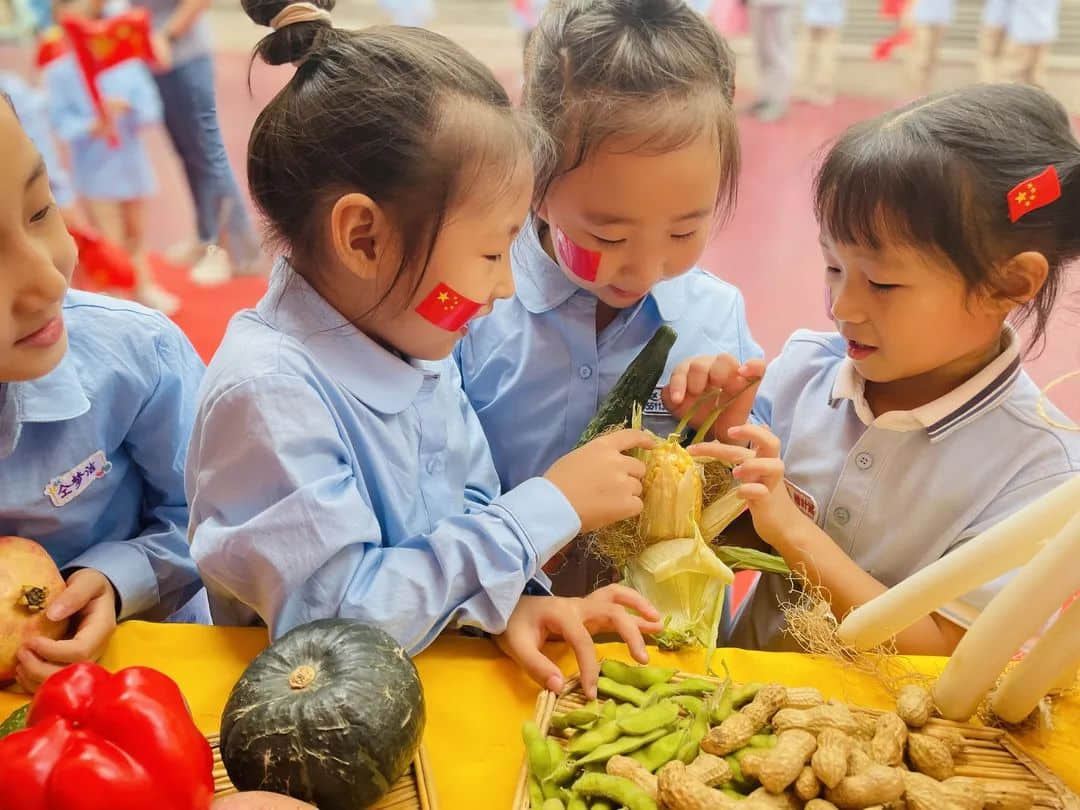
x=900 y=490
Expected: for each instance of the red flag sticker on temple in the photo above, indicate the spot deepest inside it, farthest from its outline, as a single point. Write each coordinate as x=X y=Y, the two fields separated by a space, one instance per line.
x=447 y=308
x=1040 y=190
x=580 y=261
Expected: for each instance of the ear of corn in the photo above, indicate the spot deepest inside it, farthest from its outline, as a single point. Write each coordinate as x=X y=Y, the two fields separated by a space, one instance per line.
x=672 y=493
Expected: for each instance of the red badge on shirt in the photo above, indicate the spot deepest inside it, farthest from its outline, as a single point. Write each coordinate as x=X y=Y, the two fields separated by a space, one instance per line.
x=447 y=308
x=581 y=262
x=1040 y=190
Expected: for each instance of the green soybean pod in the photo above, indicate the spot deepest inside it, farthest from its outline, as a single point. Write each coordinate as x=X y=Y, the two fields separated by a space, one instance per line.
x=659 y=752
x=689 y=703
x=561 y=774
x=607 y=711
x=621 y=791
x=536 y=795
x=624 y=710
x=601 y=804
x=620 y=691
x=645 y=720
x=623 y=745
x=536 y=750
x=638 y=677
x=577 y=803
x=744 y=693
x=692 y=741
x=554 y=804
x=763 y=741
x=601 y=734
x=690 y=686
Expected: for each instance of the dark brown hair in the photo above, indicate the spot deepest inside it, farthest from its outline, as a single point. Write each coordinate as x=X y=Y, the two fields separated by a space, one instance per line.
x=653 y=70
x=403 y=115
x=936 y=174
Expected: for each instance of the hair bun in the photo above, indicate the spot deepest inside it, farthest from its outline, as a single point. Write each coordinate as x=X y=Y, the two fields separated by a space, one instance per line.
x=638 y=12
x=292 y=41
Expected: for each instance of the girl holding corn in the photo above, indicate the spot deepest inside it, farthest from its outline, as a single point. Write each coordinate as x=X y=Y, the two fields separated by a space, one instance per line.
x=914 y=427
x=639 y=163
x=337 y=469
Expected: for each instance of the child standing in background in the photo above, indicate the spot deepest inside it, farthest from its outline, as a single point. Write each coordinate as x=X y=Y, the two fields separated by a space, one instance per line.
x=1015 y=39
x=930 y=20
x=111 y=169
x=636 y=98
x=824 y=20
x=772 y=25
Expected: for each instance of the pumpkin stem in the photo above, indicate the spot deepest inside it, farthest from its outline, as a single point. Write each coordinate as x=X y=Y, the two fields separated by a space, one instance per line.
x=302 y=676
x=33 y=597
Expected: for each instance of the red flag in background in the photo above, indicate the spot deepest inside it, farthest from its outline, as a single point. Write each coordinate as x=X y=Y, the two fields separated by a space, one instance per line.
x=892 y=9
x=50 y=46
x=103 y=264
x=102 y=44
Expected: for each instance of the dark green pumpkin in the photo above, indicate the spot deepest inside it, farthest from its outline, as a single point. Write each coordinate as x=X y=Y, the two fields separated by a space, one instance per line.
x=331 y=713
x=16 y=721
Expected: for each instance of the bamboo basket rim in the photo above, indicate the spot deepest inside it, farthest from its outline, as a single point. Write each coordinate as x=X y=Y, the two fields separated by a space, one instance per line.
x=1049 y=781
x=422 y=777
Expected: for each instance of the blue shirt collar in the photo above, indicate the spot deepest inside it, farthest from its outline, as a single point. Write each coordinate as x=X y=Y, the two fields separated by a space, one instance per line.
x=376 y=376
x=56 y=397
x=541 y=285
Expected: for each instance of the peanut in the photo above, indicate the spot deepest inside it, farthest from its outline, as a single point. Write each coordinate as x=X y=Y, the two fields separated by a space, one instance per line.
x=751 y=763
x=807 y=786
x=931 y=756
x=677 y=791
x=952 y=738
x=820 y=804
x=914 y=705
x=736 y=730
x=709 y=770
x=965 y=794
x=878 y=784
x=818 y=718
x=804 y=697
x=783 y=764
x=924 y=793
x=1001 y=795
x=890 y=734
x=858 y=761
x=633 y=771
x=830 y=761
x=761 y=799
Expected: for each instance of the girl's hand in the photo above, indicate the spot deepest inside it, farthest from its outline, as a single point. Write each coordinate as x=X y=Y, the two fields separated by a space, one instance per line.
x=90 y=598
x=600 y=481
x=536 y=619
x=721 y=374
x=760 y=473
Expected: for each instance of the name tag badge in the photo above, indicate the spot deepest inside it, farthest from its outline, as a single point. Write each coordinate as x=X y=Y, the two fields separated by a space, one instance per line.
x=803 y=499
x=65 y=488
x=655 y=405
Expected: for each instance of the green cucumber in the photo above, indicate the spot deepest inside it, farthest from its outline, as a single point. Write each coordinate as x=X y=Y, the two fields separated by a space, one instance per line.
x=634 y=387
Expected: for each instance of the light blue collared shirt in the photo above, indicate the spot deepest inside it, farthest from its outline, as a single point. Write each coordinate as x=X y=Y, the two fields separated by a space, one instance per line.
x=900 y=490
x=125 y=392
x=330 y=477
x=536 y=371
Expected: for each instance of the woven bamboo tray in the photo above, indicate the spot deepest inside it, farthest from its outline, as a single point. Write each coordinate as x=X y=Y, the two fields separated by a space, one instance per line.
x=989 y=753
x=413 y=791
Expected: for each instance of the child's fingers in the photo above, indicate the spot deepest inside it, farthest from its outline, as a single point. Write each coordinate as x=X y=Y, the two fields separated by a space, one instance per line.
x=731 y=453
x=33 y=669
x=722 y=368
x=753 y=492
x=536 y=665
x=767 y=471
x=632 y=466
x=675 y=391
x=762 y=440
x=629 y=598
x=65 y=651
x=697 y=376
x=75 y=596
x=573 y=631
x=627 y=627
x=628 y=439
x=753 y=369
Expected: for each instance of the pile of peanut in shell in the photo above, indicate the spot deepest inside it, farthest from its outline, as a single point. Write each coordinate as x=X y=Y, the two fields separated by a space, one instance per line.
x=773 y=747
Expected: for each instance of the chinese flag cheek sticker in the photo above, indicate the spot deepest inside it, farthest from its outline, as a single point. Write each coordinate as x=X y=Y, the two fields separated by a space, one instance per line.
x=447 y=308
x=581 y=262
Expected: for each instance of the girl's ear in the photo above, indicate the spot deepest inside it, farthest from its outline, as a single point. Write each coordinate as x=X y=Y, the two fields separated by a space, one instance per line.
x=359 y=234
x=1020 y=279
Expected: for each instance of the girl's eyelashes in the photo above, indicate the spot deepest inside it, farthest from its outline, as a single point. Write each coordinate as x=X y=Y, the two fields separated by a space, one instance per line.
x=686 y=235
x=40 y=215
x=603 y=241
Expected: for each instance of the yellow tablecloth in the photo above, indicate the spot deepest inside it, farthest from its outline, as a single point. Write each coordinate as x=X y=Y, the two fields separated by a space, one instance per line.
x=477 y=698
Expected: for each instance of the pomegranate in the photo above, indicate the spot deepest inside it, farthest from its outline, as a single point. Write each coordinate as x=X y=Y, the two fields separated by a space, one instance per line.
x=29 y=581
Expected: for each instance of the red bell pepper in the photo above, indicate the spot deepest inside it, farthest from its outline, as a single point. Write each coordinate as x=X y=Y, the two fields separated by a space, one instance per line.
x=96 y=741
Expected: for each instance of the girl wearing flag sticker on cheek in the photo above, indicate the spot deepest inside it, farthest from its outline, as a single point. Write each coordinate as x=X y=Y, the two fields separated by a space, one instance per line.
x=337 y=468
x=913 y=427
x=636 y=95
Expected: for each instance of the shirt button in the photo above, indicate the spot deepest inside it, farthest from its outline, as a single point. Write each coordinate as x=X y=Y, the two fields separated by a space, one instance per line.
x=864 y=461
x=841 y=515
x=434 y=466
x=585 y=372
